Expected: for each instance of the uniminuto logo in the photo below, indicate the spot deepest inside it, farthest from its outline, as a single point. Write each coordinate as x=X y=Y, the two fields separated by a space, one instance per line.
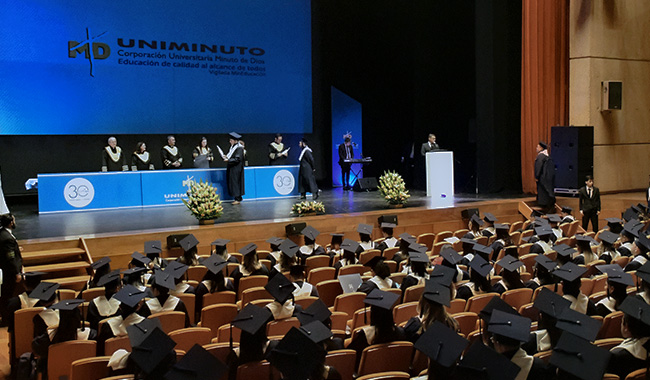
x=90 y=48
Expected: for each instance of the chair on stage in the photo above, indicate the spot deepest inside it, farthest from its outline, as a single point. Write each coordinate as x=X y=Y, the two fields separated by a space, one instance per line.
x=216 y=316
x=90 y=368
x=62 y=355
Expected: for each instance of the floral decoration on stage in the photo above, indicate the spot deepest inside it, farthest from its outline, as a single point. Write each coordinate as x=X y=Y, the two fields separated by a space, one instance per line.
x=308 y=208
x=203 y=201
x=393 y=188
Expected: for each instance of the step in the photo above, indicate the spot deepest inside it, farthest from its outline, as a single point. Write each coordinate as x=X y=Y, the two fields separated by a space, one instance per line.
x=52 y=254
x=59 y=267
x=74 y=282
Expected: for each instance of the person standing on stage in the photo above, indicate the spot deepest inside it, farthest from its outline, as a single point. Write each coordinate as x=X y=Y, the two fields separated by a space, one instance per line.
x=203 y=154
x=589 y=203
x=141 y=159
x=346 y=153
x=545 y=177
x=306 y=178
x=235 y=168
x=112 y=158
x=171 y=155
x=277 y=154
x=430 y=145
x=11 y=263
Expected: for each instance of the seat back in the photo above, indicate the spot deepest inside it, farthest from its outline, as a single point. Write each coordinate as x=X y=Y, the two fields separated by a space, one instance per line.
x=318 y=261
x=413 y=293
x=395 y=356
x=252 y=294
x=196 y=273
x=366 y=256
x=389 y=253
x=230 y=267
x=279 y=328
x=352 y=269
x=389 y=375
x=611 y=327
x=586 y=286
x=117 y=343
x=517 y=297
x=437 y=248
x=544 y=355
x=251 y=282
x=220 y=350
x=622 y=261
x=349 y=303
x=219 y=297
x=524 y=249
x=529 y=261
x=223 y=334
x=215 y=316
x=608 y=343
x=190 y=304
x=90 y=368
x=403 y=312
x=92 y=293
x=466 y=321
x=62 y=355
x=170 y=320
x=360 y=318
x=441 y=236
x=639 y=374
x=456 y=306
x=317 y=275
x=516 y=226
x=254 y=370
x=344 y=361
x=186 y=338
x=305 y=301
x=476 y=303
x=328 y=291
x=24 y=329
x=529 y=311
x=599 y=283
x=339 y=320
x=460 y=233
x=426 y=239
x=574 y=228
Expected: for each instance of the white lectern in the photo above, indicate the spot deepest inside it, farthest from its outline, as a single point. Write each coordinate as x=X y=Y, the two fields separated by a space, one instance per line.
x=440 y=174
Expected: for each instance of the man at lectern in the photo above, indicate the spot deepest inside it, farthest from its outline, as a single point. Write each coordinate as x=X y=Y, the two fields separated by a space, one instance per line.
x=112 y=158
x=430 y=145
x=171 y=155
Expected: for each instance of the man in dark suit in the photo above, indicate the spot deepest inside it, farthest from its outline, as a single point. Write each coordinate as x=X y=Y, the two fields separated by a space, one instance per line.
x=429 y=146
x=306 y=177
x=589 y=203
x=346 y=153
x=11 y=263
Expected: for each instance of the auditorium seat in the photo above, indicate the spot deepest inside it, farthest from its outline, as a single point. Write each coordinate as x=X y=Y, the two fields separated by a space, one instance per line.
x=456 y=306
x=92 y=293
x=117 y=343
x=529 y=311
x=344 y=361
x=395 y=356
x=170 y=320
x=392 y=266
x=515 y=237
x=516 y=226
x=251 y=282
x=544 y=355
x=404 y=312
x=466 y=321
x=252 y=294
x=317 y=275
x=119 y=377
x=278 y=328
x=216 y=316
x=360 y=318
x=413 y=293
x=517 y=297
x=318 y=261
x=352 y=269
x=305 y=301
x=62 y=355
x=525 y=234
x=223 y=334
x=441 y=236
x=639 y=374
x=426 y=239
x=328 y=291
x=349 y=303
x=476 y=303
x=483 y=240
x=261 y=254
x=389 y=253
x=529 y=261
x=591 y=268
x=24 y=329
x=608 y=343
x=599 y=283
x=460 y=233
x=266 y=263
x=611 y=327
x=366 y=256
x=196 y=273
x=339 y=320
x=257 y=370
x=523 y=249
x=220 y=350
x=219 y=297
x=186 y=338
x=90 y=368
x=437 y=248
x=595 y=297
x=189 y=300
x=586 y=286
x=230 y=267
x=389 y=375
x=551 y=287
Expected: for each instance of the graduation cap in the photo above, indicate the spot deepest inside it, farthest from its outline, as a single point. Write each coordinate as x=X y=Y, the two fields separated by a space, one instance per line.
x=483 y=362
x=509 y=325
x=536 y=213
x=551 y=303
x=139 y=259
x=407 y=237
x=130 y=295
x=112 y=278
x=630 y=214
x=496 y=303
x=214 y=263
x=543 y=231
x=567 y=209
x=289 y=248
x=554 y=218
x=480 y=266
x=152 y=248
x=569 y=271
x=564 y=250
x=578 y=324
x=477 y=220
x=138 y=332
x=501 y=227
x=316 y=331
x=482 y=251
x=540 y=222
x=44 y=291
x=137 y=271
x=364 y=229
x=643 y=272
x=643 y=243
x=379 y=298
x=388 y=225
x=637 y=309
x=489 y=217
x=616 y=274
x=188 y=242
x=317 y=311
x=234 y=135
x=33 y=278
x=418 y=248
x=176 y=269
x=252 y=318
x=373 y=261
x=510 y=263
x=248 y=248
x=436 y=292
x=443 y=275
x=222 y=242
x=280 y=288
x=579 y=357
x=155 y=348
x=68 y=305
x=297 y=356
x=586 y=238
x=642 y=207
x=608 y=237
x=450 y=255
x=419 y=257
x=198 y=364
x=310 y=232
x=469 y=242
x=441 y=344
x=164 y=279
x=615 y=224
x=350 y=245
x=632 y=227
x=545 y=262
x=337 y=238
x=350 y=282
x=100 y=263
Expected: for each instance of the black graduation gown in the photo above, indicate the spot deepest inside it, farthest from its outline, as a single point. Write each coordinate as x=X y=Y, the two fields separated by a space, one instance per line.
x=93 y=315
x=141 y=162
x=368 y=286
x=235 y=173
x=407 y=282
x=622 y=363
x=202 y=290
x=306 y=178
x=206 y=163
x=168 y=158
x=545 y=177
x=274 y=150
x=109 y=163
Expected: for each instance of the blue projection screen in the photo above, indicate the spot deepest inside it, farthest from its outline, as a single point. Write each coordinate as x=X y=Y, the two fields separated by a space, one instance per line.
x=152 y=66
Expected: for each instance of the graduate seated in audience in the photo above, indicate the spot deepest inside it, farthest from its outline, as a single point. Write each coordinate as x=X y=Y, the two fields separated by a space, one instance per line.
x=365 y=231
x=350 y=248
x=474 y=226
x=23 y=300
x=479 y=279
x=564 y=253
x=640 y=251
x=283 y=305
x=177 y=270
x=105 y=306
x=614 y=225
x=554 y=221
x=250 y=265
x=302 y=287
x=566 y=216
x=617 y=283
x=489 y=229
x=335 y=249
x=153 y=250
x=382 y=327
x=431 y=309
x=47 y=319
x=592 y=361
x=101 y=267
x=135 y=277
x=311 y=248
x=510 y=277
x=221 y=249
x=190 y=251
x=628 y=234
x=570 y=274
x=318 y=312
x=542 y=272
x=468 y=250
x=380 y=276
x=502 y=240
x=451 y=259
x=253 y=342
x=288 y=252
x=414 y=248
x=550 y=306
x=153 y=353
x=130 y=298
x=162 y=284
x=585 y=253
x=543 y=242
x=387 y=233
x=417 y=270
x=69 y=327
x=274 y=248
x=643 y=277
x=406 y=239
x=606 y=250
x=631 y=354
x=213 y=280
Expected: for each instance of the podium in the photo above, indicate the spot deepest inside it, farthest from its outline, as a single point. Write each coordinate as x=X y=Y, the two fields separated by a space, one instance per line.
x=440 y=174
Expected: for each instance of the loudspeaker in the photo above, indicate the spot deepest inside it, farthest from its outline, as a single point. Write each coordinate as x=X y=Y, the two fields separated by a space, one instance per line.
x=366 y=184
x=572 y=151
x=387 y=219
x=611 y=95
x=295 y=228
x=467 y=213
x=173 y=240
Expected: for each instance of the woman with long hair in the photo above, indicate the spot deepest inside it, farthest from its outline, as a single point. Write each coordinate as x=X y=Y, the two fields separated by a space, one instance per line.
x=250 y=265
x=349 y=257
x=141 y=159
x=617 y=283
x=510 y=277
x=606 y=250
x=474 y=226
x=213 y=280
x=479 y=280
x=417 y=274
x=202 y=154
x=585 y=253
x=502 y=240
x=431 y=308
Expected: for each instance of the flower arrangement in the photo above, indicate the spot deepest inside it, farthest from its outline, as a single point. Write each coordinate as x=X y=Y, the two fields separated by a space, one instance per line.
x=393 y=188
x=304 y=208
x=203 y=201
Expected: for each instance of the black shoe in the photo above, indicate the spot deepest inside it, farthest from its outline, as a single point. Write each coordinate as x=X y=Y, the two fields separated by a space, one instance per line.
x=303 y=197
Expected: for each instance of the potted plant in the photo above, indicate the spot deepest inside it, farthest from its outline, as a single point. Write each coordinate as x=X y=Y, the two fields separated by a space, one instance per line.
x=393 y=189
x=308 y=208
x=203 y=202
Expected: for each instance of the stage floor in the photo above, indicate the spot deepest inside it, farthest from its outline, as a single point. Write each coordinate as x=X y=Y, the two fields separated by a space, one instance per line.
x=31 y=225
